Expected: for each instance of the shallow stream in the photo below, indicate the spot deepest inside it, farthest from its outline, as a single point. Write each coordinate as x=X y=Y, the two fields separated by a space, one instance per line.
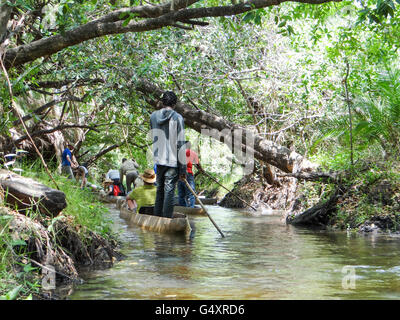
x=259 y=258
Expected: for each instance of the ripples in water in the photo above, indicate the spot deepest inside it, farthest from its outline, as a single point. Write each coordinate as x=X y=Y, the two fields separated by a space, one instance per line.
x=259 y=258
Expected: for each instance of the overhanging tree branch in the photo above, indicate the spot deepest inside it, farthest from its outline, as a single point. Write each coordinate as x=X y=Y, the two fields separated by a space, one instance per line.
x=58 y=128
x=102 y=153
x=47 y=106
x=112 y=23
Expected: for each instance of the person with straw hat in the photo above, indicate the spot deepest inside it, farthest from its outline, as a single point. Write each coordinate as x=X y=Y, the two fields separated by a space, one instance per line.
x=107 y=185
x=143 y=196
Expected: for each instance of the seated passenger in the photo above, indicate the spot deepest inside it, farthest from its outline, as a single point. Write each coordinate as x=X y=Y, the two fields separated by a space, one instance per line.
x=108 y=186
x=143 y=196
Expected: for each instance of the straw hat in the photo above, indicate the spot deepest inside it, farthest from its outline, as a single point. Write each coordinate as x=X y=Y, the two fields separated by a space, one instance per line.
x=107 y=181
x=148 y=176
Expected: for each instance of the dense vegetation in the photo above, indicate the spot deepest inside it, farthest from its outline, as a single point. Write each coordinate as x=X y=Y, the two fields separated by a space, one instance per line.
x=20 y=275
x=320 y=78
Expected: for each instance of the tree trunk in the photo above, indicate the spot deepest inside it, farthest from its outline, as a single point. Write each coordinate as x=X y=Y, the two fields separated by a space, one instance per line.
x=318 y=215
x=153 y=17
x=25 y=194
x=5 y=12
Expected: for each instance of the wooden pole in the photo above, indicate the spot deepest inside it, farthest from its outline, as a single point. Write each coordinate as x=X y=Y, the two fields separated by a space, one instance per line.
x=201 y=204
x=216 y=181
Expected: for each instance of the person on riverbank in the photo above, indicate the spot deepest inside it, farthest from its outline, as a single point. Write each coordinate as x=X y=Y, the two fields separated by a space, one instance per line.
x=129 y=170
x=185 y=196
x=168 y=134
x=143 y=196
x=82 y=174
x=67 y=161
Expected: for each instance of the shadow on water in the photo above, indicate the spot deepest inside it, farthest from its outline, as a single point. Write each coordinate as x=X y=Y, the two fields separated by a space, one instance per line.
x=259 y=258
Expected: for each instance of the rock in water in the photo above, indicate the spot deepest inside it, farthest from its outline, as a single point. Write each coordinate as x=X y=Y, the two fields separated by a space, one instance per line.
x=26 y=193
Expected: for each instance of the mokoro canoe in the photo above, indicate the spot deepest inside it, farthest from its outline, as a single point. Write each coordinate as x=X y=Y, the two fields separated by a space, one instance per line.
x=188 y=210
x=110 y=199
x=179 y=224
x=208 y=201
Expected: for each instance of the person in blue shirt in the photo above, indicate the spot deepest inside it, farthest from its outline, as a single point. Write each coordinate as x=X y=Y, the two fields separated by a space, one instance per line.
x=67 y=163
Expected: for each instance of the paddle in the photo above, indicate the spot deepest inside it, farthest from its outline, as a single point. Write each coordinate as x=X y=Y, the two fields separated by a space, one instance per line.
x=201 y=204
x=215 y=180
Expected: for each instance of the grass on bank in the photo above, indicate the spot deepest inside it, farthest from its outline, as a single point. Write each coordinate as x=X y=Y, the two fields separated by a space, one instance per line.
x=18 y=279
x=372 y=184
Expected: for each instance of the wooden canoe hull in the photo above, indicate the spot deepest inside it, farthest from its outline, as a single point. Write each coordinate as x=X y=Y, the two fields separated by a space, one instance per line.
x=178 y=225
x=110 y=199
x=191 y=211
x=208 y=201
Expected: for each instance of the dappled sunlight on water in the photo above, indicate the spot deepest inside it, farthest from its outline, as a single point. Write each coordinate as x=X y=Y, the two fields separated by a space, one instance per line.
x=259 y=258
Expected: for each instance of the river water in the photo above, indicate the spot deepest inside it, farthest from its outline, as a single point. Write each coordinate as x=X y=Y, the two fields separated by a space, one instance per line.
x=259 y=258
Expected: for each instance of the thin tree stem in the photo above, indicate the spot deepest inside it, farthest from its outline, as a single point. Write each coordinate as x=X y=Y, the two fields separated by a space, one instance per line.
x=348 y=101
x=23 y=123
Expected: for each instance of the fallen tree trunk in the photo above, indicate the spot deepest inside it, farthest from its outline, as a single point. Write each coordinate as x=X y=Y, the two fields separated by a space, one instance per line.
x=318 y=215
x=26 y=194
x=232 y=134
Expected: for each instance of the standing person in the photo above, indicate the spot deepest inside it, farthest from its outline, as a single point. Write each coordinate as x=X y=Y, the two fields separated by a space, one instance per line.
x=67 y=162
x=186 y=198
x=143 y=196
x=168 y=133
x=113 y=174
x=82 y=173
x=129 y=169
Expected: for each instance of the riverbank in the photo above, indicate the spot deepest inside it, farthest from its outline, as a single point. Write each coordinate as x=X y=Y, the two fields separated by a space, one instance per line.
x=365 y=199
x=38 y=253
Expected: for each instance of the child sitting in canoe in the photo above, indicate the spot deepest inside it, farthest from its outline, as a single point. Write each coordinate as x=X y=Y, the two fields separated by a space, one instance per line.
x=143 y=196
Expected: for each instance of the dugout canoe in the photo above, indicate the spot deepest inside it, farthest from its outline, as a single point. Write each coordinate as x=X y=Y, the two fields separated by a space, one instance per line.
x=207 y=201
x=179 y=224
x=110 y=199
x=191 y=211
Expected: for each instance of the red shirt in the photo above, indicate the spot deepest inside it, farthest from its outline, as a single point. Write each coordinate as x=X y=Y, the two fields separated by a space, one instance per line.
x=191 y=158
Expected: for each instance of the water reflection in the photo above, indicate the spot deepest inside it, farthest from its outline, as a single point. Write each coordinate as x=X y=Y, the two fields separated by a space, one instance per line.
x=259 y=258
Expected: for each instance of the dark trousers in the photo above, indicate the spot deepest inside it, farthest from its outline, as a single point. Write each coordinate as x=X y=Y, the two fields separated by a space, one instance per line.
x=130 y=179
x=186 y=198
x=166 y=183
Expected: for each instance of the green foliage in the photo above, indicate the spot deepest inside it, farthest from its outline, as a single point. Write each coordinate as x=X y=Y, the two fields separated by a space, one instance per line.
x=289 y=59
x=18 y=279
x=376 y=117
x=82 y=206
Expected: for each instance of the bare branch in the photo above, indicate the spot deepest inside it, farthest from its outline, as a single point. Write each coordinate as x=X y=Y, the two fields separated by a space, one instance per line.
x=58 y=128
x=47 y=106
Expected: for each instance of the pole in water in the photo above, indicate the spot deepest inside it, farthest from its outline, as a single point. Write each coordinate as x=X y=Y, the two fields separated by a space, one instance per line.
x=201 y=204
